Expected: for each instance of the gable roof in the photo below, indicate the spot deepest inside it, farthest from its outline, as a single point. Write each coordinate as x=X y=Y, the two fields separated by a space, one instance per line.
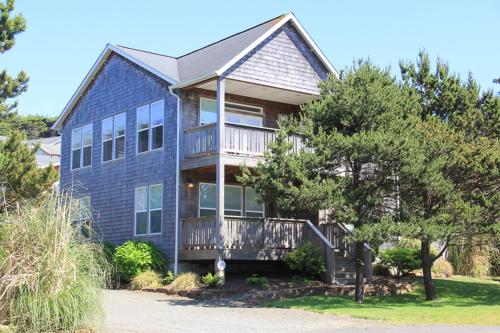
x=205 y=63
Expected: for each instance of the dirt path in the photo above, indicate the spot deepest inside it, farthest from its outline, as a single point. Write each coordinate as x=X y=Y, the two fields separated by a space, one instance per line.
x=134 y=312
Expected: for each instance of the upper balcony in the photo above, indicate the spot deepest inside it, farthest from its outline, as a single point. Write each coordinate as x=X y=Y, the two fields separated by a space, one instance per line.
x=242 y=142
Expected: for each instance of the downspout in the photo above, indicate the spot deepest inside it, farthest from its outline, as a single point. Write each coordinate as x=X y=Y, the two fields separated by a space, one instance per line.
x=177 y=180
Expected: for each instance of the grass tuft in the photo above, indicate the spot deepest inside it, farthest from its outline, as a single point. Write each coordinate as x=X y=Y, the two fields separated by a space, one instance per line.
x=50 y=276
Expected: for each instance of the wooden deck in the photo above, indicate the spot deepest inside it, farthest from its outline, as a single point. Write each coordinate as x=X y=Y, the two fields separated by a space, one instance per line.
x=245 y=238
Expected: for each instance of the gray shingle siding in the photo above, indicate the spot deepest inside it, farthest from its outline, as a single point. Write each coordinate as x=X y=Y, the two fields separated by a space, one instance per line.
x=122 y=87
x=283 y=60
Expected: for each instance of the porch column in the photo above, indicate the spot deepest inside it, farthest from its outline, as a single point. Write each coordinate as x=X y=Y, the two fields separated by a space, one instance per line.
x=219 y=178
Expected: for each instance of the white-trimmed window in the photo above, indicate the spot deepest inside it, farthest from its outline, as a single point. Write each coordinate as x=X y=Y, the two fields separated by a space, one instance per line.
x=81 y=215
x=234 y=113
x=235 y=203
x=150 y=119
x=113 y=137
x=148 y=210
x=81 y=147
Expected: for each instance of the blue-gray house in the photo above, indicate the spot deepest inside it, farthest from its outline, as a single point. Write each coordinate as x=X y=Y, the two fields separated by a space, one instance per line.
x=152 y=143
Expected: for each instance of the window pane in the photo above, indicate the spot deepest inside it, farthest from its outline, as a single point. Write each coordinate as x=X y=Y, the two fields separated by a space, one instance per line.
x=155 y=224
x=141 y=199
x=76 y=159
x=207 y=195
x=107 y=150
x=157 y=137
x=119 y=147
x=87 y=156
x=208 y=111
x=85 y=212
x=87 y=135
x=119 y=124
x=155 y=196
x=232 y=197
x=143 y=117
x=142 y=144
x=141 y=223
x=157 y=113
x=232 y=212
x=244 y=119
x=207 y=212
x=76 y=138
x=254 y=214
x=107 y=129
x=251 y=201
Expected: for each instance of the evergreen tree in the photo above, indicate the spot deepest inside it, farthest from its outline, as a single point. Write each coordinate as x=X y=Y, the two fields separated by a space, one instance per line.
x=353 y=134
x=449 y=179
x=10 y=87
x=20 y=178
x=33 y=126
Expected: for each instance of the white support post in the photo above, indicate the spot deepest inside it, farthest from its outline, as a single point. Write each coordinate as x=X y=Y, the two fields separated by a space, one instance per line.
x=219 y=178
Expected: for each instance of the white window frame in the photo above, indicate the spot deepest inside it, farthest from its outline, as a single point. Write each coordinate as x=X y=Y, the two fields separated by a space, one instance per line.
x=82 y=146
x=148 y=210
x=243 y=203
x=113 y=138
x=81 y=217
x=260 y=109
x=149 y=128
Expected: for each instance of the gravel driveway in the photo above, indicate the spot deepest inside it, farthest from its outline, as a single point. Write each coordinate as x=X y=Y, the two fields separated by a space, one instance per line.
x=133 y=312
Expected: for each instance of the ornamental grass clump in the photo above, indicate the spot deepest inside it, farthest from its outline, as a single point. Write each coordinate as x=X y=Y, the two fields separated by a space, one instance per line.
x=146 y=280
x=185 y=281
x=50 y=276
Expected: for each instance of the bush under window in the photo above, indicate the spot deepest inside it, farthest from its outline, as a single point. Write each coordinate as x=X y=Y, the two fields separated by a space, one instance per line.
x=134 y=257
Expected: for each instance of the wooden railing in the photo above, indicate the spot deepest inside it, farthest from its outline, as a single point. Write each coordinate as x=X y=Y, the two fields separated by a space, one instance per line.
x=200 y=140
x=198 y=233
x=239 y=139
x=336 y=234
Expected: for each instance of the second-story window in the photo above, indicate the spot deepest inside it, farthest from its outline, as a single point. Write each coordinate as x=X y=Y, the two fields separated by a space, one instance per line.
x=150 y=127
x=235 y=113
x=81 y=147
x=113 y=137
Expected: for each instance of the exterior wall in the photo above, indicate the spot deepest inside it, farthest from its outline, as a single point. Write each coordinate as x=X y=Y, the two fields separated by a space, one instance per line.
x=191 y=108
x=121 y=86
x=283 y=60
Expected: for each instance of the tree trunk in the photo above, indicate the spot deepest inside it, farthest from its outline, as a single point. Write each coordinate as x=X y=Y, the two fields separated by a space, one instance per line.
x=430 y=290
x=359 y=293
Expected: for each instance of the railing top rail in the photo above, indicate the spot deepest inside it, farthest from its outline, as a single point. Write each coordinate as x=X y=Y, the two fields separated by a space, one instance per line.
x=199 y=128
x=261 y=128
x=199 y=219
x=319 y=234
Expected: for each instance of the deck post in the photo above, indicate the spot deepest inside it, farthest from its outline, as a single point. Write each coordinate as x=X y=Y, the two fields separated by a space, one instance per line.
x=219 y=178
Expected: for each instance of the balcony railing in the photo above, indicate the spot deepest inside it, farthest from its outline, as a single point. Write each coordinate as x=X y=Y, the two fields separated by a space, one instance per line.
x=239 y=140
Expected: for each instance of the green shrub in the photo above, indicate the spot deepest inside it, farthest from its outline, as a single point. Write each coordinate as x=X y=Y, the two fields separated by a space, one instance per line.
x=211 y=280
x=50 y=278
x=307 y=260
x=146 y=280
x=256 y=280
x=169 y=278
x=402 y=259
x=134 y=257
x=381 y=270
x=442 y=268
x=185 y=281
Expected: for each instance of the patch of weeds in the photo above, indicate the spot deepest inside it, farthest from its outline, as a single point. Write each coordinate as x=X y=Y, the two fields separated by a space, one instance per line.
x=256 y=280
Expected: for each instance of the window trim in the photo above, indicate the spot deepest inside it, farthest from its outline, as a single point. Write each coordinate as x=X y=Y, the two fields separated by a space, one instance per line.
x=113 y=138
x=257 y=114
x=148 y=210
x=83 y=219
x=243 y=201
x=82 y=146
x=149 y=128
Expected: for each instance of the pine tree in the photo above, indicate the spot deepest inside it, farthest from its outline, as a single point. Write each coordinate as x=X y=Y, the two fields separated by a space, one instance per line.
x=354 y=134
x=20 y=178
x=10 y=87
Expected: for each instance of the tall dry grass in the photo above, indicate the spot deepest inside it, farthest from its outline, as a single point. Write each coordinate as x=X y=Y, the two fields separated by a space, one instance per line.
x=50 y=276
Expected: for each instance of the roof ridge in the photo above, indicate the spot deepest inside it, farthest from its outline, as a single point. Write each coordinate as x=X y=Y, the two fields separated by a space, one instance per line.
x=236 y=34
x=146 y=51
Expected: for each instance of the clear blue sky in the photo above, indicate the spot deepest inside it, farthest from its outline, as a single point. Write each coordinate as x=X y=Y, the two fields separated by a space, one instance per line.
x=64 y=38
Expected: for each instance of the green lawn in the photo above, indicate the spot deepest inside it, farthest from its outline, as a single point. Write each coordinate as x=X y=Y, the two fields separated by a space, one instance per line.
x=462 y=301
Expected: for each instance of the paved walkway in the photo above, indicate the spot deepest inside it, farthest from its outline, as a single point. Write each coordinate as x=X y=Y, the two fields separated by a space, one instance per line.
x=134 y=312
